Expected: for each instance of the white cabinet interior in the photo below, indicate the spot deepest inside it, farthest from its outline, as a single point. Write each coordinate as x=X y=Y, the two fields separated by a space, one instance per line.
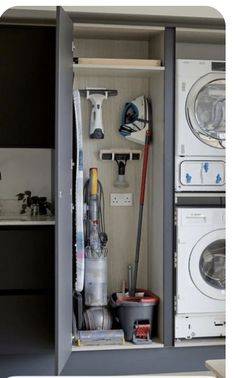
x=125 y=42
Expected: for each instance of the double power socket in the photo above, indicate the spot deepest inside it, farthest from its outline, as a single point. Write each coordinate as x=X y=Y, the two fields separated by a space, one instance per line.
x=121 y=199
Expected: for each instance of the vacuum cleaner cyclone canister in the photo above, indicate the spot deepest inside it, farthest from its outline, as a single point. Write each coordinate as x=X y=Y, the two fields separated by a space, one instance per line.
x=96 y=281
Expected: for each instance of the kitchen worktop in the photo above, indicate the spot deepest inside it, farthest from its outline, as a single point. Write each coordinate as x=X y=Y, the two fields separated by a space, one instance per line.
x=25 y=220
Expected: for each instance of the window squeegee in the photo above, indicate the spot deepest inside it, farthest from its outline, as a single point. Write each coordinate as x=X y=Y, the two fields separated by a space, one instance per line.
x=97 y=96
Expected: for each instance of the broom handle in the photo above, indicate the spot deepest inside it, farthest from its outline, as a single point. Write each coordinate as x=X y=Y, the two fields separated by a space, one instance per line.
x=140 y=218
x=144 y=171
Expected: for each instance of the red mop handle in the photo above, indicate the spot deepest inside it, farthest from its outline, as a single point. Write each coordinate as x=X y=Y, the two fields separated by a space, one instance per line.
x=144 y=171
x=140 y=218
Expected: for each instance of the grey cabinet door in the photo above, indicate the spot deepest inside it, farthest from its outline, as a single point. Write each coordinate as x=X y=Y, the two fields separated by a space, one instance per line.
x=63 y=188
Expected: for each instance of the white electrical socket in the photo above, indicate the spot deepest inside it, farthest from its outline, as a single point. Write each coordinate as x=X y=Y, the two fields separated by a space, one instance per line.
x=121 y=199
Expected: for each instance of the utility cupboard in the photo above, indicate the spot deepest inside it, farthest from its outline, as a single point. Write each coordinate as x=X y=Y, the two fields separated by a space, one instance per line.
x=156 y=268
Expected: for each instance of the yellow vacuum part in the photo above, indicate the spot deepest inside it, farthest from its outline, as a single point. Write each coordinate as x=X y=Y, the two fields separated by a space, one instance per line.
x=94 y=181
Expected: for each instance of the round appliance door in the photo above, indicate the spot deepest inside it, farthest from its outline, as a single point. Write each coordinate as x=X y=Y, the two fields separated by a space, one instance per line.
x=205 y=109
x=207 y=264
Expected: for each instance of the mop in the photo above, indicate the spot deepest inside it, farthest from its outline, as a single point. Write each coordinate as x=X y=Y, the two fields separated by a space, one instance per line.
x=141 y=204
x=136 y=126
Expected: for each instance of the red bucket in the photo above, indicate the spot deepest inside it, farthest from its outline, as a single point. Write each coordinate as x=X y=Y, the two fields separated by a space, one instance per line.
x=128 y=311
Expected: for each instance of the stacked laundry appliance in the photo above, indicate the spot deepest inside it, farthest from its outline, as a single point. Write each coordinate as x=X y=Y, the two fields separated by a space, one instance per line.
x=200 y=174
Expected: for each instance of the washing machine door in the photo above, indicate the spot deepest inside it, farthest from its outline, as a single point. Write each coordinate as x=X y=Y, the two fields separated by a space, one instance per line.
x=207 y=265
x=205 y=109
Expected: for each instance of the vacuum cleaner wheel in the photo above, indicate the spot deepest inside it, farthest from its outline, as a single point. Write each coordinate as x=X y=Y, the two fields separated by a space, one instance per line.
x=96 y=318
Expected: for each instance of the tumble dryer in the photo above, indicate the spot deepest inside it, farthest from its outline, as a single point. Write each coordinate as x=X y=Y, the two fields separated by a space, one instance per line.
x=200 y=125
x=200 y=273
x=200 y=108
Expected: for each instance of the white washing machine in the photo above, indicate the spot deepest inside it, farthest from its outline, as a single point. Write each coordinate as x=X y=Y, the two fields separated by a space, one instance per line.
x=200 y=125
x=200 y=273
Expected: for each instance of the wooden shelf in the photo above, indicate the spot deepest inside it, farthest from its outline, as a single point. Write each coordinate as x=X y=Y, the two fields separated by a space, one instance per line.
x=121 y=62
x=128 y=346
x=117 y=70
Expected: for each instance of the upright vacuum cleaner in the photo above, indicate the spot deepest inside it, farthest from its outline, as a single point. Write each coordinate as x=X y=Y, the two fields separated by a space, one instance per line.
x=97 y=317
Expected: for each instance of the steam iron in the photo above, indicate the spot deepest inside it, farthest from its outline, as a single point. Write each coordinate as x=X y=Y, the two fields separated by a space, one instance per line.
x=135 y=120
